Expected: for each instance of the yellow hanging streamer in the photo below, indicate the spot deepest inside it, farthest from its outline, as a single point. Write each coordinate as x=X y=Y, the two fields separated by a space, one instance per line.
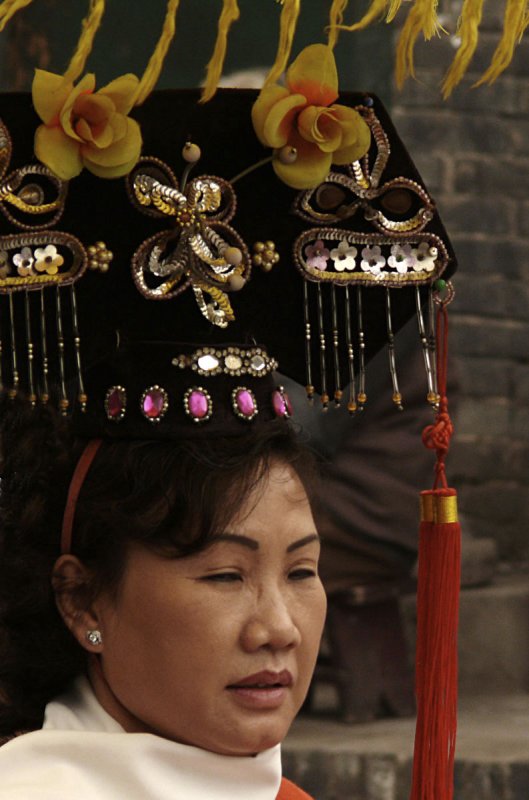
x=84 y=47
x=515 y=21
x=287 y=29
x=393 y=9
x=154 y=67
x=230 y=14
x=10 y=7
x=375 y=12
x=335 y=20
x=422 y=17
x=467 y=30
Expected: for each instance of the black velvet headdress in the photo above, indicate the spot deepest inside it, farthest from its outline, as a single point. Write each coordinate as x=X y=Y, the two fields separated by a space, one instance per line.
x=212 y=253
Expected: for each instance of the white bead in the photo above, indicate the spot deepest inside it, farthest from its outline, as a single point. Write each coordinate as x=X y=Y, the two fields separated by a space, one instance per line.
x=235 y=283
x=233 y=255
x=191 y=152
x=287 y=154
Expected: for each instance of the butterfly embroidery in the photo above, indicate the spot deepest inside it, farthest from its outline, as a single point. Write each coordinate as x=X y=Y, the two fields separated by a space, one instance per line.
x=201 y=251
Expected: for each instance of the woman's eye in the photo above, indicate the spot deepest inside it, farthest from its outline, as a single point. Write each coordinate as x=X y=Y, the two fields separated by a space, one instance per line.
x=302 y=574
x=223 y=577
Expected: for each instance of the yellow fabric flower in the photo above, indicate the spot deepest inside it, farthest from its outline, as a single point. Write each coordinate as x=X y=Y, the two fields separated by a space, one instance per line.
x=84 y=128
x=303 y=115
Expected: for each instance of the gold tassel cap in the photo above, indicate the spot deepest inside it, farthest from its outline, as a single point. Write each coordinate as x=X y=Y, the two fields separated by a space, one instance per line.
x=439 y=508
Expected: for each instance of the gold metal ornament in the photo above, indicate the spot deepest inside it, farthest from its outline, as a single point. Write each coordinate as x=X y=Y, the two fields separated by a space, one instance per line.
x=31 y=197
x=99 y=257
x=202 y=250
x=265 y=255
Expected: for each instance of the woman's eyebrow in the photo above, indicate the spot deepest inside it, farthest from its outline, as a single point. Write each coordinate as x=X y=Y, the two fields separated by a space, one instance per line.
x=312 y=537
x=237 y=538
x=253 y=544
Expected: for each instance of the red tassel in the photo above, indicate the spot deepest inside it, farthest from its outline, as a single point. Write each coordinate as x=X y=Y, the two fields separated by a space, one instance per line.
x=437 y=612
x=436 y=655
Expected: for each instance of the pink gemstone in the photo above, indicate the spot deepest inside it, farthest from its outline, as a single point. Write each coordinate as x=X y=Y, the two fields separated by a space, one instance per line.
x=245 y=402
x=198 y=404
x=116 y=401
x=153 y=403
x=281 y=403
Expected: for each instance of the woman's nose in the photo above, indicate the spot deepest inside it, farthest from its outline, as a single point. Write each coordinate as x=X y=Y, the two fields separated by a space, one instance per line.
x=270 y=624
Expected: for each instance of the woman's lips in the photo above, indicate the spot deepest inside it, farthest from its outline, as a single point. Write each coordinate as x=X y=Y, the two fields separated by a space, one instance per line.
x=265 y=678
x=263 y=690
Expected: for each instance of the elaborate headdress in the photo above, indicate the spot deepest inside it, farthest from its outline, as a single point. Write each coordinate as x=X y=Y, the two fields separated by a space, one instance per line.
x=323 y=258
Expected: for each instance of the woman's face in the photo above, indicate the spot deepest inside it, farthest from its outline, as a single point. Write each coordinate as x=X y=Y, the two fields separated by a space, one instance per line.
x=217 y=649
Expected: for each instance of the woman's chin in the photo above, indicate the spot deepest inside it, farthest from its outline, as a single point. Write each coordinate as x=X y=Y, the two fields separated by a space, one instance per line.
x=250 y=740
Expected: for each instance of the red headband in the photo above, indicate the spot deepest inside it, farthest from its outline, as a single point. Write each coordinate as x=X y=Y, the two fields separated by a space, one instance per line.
x=78 y=478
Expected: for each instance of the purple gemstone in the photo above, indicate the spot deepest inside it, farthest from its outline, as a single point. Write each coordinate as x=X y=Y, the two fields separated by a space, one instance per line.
x=153 y=403
x=198 y=404
x=245 y=402
x=281 y=403
x=116 y=401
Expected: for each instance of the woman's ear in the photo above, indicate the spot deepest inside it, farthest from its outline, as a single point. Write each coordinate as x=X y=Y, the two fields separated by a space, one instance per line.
x=71 y=582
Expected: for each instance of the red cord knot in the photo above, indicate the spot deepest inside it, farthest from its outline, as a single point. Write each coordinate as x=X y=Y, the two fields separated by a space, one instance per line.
x=437 y=436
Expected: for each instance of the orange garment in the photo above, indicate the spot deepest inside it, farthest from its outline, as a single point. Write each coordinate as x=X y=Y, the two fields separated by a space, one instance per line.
x=289 y=791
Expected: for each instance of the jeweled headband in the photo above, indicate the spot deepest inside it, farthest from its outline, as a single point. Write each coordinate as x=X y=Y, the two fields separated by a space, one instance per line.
x=166 y=390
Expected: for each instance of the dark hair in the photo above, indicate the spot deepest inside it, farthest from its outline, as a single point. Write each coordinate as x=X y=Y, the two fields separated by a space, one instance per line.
x=171 y=497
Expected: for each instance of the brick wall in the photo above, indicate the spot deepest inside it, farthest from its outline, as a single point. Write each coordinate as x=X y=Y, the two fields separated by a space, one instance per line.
x=473 y=152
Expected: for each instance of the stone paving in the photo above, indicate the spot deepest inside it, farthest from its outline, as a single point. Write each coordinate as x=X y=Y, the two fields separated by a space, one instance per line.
x=334 y=761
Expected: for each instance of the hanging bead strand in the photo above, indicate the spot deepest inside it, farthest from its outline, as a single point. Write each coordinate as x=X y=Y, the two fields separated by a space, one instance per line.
x=362 y=396
x=352 y=404
x=30 y=351
x=431 y=397
x=45 y=393
x=308 y=354
x=63 y=402
x=432 y=339
x=12 y=392
x=397 y=397
x=323 y=366
x=338 y=393
x=81 y=397
x=1 y=357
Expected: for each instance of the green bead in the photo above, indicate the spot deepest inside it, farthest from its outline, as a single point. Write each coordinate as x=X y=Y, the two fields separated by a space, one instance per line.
x=440 y=285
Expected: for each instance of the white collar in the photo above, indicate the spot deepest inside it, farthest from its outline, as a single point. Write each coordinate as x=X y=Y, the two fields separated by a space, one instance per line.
x=83 y=752
x=78 y=709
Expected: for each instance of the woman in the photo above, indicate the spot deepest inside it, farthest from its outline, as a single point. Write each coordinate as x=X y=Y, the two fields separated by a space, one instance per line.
x=165 y=654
